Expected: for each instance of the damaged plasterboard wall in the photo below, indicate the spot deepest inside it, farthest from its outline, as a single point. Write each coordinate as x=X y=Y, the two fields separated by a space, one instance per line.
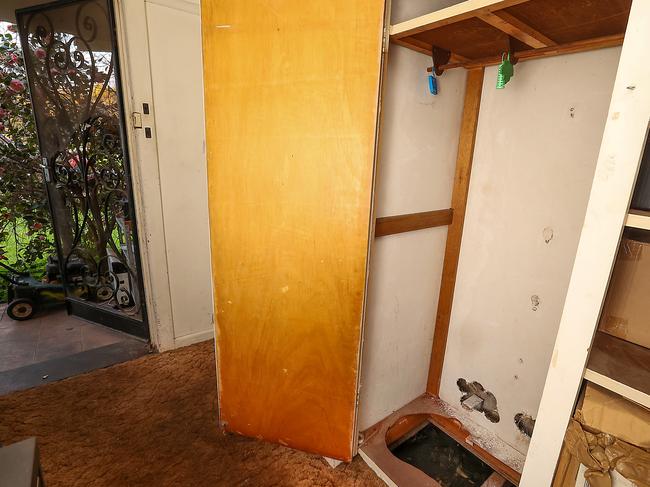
x=536 y=150
x=415 y=173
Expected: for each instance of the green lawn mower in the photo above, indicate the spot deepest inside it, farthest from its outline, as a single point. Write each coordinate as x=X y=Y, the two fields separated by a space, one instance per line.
x=28 y=296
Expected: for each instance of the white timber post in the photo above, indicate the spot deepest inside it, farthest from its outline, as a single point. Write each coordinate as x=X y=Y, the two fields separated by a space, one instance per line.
x=618 y=163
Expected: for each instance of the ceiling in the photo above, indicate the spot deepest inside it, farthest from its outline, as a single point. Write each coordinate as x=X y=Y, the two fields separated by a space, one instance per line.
x=8 y=7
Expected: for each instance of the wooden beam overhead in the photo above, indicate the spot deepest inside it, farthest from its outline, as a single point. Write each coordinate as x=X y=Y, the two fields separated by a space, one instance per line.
x=450 y=15
x=514 y=27
x=424 y=48
x=571 y=47
x=414 y=44
x=459 y=59
x=455 y=233
x=390 y=225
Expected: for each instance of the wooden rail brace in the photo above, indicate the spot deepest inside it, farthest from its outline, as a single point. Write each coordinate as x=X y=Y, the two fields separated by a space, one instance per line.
x=390 y=225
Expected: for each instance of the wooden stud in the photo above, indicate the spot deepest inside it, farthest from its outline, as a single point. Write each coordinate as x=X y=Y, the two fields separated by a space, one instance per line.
x=569 y=48
x=390 y=225
x=458 y=202
x=424 y=48
x=558 y=50
x=414 y=44
x=514 y=27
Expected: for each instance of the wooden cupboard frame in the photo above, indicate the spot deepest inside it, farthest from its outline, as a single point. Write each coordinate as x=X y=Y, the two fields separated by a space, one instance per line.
x=500 y=26
x=452 y=19
x=607 y=211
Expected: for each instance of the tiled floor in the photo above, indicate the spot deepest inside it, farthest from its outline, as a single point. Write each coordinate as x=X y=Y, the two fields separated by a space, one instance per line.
x=50 y=336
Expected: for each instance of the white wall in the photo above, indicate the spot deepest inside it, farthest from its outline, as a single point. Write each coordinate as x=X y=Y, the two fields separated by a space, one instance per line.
x=415 y=173
x=177 y=77
x=160 y=46
x=533 y=167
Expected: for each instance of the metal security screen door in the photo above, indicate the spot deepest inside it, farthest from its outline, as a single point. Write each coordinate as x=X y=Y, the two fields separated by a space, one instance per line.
x=73 y=71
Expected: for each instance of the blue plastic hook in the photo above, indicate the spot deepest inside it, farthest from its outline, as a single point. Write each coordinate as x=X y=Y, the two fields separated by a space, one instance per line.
x=433 y=84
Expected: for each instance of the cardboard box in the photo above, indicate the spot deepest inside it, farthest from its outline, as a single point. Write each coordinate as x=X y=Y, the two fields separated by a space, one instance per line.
x=626 y=313
x=613 y=414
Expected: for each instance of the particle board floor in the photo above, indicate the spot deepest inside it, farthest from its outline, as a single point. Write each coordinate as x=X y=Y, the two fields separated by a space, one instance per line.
x=150 y=422
x=455 y=423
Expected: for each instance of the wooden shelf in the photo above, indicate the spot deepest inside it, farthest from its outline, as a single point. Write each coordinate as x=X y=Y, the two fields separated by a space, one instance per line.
x=638 y=219
x=477 y=32
x=620 y=366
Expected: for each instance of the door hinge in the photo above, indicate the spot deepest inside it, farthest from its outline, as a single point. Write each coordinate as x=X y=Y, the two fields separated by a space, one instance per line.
x=385 y=39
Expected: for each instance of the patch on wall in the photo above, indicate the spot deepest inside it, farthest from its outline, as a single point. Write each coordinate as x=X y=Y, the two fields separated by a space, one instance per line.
x=475 y=397
x=525 y=423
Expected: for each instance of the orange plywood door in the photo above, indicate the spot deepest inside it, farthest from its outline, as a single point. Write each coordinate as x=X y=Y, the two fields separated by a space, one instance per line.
x=291 y=94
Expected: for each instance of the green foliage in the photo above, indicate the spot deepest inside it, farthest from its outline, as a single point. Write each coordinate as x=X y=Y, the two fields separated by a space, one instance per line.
x=25 y=225
x=16 y=240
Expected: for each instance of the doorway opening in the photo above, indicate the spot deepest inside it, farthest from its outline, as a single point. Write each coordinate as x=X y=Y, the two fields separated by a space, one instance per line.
x=68 y=242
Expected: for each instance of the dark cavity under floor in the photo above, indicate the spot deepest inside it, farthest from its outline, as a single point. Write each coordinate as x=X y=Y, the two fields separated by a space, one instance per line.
x=442 y=459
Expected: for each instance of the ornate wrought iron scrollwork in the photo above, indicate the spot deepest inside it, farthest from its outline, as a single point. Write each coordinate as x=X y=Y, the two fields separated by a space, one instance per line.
x=71 y=68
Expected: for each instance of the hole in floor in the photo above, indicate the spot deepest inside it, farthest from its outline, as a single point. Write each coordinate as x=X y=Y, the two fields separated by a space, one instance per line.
x=443 y=459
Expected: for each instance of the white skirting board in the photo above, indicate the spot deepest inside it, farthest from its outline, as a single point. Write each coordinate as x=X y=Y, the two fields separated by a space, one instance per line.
x=186 y=340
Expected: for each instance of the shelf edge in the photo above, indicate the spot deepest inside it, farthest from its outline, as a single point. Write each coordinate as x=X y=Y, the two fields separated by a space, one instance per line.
x=635 y=220
x=619 y=388
x=449 y=15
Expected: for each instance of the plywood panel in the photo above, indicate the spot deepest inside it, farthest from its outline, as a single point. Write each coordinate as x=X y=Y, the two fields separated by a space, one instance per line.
x=291 y=91
x=471 y=38
x=536 y=150
x=479 y=29
x=570 y=21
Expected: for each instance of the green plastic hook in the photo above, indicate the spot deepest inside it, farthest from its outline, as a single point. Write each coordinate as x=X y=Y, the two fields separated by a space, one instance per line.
x=505 y=72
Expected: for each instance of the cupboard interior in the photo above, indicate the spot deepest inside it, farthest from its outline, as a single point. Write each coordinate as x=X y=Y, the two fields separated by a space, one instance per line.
x=479 y=216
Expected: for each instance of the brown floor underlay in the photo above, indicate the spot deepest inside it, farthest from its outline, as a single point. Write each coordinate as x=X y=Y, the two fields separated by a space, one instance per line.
x=152 y=422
